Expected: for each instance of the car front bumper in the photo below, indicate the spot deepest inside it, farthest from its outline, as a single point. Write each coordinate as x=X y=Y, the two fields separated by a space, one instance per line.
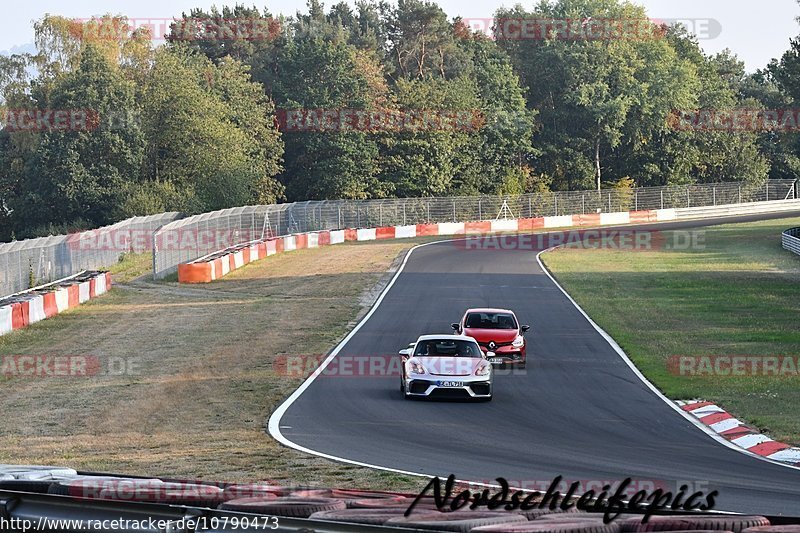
x=444 y=387
x=506 y=357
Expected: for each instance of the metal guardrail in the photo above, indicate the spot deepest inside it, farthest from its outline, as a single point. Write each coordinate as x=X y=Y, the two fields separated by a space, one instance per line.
x=36 y=261
x=187 y=239
x=790 y=240
x=176 y=240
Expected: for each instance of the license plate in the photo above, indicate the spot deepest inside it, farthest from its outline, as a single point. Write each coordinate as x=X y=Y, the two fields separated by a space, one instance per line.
x=450 y=383
x=498 y=361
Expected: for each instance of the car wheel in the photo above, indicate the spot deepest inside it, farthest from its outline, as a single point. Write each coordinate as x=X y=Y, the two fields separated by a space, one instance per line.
x=522 y=364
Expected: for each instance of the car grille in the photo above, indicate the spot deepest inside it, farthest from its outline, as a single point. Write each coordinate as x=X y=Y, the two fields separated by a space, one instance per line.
x=449 y=393
x=499 y=344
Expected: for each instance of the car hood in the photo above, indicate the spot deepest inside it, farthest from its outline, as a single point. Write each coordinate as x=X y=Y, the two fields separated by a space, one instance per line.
x=449 y=366
x=496 y=335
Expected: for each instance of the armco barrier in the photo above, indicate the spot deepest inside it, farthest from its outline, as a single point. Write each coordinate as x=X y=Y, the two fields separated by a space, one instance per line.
x=47 y=259
x=25 y=308
x=790 y=239
x=218 y=264
x=199 y=235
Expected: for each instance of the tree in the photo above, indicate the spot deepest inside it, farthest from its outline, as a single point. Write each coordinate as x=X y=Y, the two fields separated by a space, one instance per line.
x=242 y=33
x=504 y=140
x=317 y=76
x=422 y=42
x=440 y=158
x=78 y=173
x=210 y=132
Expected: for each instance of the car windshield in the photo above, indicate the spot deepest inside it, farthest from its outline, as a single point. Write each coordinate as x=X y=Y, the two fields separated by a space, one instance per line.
x=491 y=321
x=447 y=348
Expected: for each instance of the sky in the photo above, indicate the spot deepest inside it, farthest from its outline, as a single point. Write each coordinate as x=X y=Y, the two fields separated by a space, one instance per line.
x=756 y=32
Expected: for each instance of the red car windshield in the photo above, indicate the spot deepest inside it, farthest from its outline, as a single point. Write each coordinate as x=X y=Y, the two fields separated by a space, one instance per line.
x=490 y=321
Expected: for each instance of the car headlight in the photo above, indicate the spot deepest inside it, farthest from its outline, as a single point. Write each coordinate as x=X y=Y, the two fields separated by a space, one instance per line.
x=518 y=342
x=416 y=367
x=483 y=370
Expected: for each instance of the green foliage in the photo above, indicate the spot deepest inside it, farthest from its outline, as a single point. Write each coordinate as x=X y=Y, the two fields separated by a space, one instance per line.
x=191 y=125
x=326 y=75
x=78 y=172
x=210 y=132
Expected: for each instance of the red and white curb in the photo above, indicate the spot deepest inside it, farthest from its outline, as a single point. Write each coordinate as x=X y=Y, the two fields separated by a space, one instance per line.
x=218 y=264
x=20 y=310
x=738 y=433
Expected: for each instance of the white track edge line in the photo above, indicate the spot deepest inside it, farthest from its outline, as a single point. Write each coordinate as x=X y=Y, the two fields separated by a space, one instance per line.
x=273 y=426
x=274 y=420
x=688 y=416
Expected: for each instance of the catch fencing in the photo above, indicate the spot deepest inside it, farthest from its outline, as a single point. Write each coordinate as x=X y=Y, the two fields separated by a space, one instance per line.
x=30 y=262
x=197 y=236
x=174 y=239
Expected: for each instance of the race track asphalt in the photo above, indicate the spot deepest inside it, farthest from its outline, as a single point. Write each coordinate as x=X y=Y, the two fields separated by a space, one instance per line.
x=578 y=411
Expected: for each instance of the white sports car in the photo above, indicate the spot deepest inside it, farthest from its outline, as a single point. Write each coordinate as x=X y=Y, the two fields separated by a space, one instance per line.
x=445 y=366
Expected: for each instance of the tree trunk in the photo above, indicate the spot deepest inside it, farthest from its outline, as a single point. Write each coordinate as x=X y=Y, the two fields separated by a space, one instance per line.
x=597 y=161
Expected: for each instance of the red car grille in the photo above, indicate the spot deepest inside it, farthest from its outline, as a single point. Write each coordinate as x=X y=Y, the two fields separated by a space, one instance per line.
x=497 y=344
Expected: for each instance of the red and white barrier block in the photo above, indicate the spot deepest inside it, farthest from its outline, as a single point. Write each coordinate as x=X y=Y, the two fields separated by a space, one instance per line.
x=218 y=264
x=733 y=429
x=21 y=310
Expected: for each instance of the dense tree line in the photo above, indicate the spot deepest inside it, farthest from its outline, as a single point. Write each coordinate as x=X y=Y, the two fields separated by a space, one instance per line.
x=200 y=122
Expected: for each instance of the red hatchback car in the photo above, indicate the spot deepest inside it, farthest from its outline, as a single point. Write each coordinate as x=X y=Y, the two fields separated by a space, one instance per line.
x=498 y=333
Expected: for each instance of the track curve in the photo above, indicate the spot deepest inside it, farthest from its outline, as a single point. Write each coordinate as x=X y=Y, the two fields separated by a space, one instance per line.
x=579 y=411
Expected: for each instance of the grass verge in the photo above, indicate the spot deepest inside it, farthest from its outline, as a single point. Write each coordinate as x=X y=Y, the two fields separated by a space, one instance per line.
x=193 y=381
x=736 y=293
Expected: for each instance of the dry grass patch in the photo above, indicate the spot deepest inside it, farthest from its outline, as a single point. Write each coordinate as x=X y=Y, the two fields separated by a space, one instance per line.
x=202 y=384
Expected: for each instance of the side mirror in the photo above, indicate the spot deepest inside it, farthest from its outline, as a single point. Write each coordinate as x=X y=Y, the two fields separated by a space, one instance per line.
x=524 y=328
x=455 y=326
x=406 y=352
